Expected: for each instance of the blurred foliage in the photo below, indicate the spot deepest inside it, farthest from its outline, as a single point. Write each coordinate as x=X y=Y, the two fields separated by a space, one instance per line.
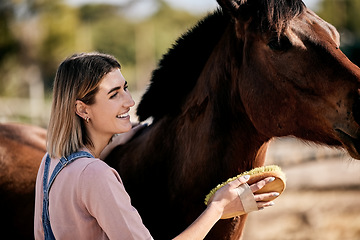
x=59 y=24
x=39 y=34
x=36 y=35
x=344 y=15
x=8 y=43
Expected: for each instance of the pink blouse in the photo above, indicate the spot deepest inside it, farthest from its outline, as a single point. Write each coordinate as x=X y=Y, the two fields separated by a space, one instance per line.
x=88 y=201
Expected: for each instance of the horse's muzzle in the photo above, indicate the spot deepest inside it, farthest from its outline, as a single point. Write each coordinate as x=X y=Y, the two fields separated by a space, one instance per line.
x=356 y=110
x=351 y=144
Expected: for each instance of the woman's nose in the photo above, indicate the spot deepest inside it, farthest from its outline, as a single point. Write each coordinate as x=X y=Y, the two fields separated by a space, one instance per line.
x=129 y=100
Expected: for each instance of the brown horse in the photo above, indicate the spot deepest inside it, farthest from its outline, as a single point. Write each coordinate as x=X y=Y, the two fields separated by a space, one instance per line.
x=257 y=69
x=254 y=70
x=21 y=150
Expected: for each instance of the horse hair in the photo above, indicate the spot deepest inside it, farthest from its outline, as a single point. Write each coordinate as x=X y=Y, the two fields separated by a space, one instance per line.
x=171 y=82
x=275 y=14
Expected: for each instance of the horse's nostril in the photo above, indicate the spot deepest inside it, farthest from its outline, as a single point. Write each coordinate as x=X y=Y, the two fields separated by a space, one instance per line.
x=356 y=110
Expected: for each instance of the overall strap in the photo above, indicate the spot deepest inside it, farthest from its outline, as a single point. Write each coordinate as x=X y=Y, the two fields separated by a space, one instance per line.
x=64 y=161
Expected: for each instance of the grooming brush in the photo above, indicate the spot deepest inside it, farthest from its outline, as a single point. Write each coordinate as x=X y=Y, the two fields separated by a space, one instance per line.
x=257 y=174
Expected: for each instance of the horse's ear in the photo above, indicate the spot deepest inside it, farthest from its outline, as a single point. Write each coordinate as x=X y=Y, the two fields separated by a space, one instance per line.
x=238 y=9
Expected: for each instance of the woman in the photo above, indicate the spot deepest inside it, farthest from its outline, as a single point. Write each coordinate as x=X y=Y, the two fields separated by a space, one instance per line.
x=87 y=200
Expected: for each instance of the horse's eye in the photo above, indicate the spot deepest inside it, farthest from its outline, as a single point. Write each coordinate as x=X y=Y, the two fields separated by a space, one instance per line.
x=280 y=44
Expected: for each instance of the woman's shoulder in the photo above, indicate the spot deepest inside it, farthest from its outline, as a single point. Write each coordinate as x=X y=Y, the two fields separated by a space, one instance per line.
x=96 y=168
x=96 y=177
x=92 y=164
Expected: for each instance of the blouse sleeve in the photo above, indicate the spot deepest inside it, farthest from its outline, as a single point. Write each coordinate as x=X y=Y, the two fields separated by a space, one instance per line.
x=39 y=195
x=106 y=200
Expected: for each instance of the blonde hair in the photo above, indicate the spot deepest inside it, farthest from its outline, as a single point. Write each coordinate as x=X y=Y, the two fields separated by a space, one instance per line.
x=77 y=78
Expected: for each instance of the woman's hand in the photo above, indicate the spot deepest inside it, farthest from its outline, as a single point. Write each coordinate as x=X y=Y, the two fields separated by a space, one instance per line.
x=225 y=202
x=227 y=199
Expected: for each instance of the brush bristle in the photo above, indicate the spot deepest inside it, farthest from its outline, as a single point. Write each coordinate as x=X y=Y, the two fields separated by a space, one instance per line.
x=263 y=169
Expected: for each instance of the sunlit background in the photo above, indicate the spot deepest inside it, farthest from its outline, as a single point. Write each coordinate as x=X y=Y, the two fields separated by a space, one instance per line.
x=322 y=199
x=36 y=35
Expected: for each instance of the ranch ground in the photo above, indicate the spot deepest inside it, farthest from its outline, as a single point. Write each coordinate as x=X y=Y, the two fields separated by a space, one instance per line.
x=321 y=200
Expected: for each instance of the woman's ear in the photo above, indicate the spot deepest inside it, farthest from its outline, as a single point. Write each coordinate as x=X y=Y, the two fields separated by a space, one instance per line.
x=81 y=109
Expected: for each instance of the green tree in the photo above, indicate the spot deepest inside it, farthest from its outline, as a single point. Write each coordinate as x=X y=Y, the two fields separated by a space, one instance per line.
x=61 y=30
x=36 y=35
x=18 y=44
x=137 y=43
x=8 y=43
x=169 y=25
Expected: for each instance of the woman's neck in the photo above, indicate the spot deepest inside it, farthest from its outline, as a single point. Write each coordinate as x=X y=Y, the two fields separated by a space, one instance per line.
x=97 y=146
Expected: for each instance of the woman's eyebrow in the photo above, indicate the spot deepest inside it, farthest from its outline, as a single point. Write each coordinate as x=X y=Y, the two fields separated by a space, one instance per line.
x=117 y=88
x=114 y=89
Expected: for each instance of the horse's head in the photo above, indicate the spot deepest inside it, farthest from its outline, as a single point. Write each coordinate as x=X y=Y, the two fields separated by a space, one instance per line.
x=294 y=79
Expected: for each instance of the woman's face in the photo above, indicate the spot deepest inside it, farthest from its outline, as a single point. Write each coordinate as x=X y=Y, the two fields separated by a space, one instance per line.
x=110 y=112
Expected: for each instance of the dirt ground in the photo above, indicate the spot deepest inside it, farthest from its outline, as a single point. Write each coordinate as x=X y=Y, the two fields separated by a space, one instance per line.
x=321 y=201
x=308 y=215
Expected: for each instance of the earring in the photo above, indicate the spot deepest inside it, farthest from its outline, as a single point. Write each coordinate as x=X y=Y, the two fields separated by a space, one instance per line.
x=87 y=119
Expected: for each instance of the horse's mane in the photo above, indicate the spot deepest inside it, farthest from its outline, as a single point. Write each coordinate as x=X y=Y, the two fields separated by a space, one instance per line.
x=275 y=14
x=179 y=69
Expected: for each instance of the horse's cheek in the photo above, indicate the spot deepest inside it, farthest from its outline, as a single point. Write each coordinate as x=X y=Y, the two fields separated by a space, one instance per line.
x=257 y=105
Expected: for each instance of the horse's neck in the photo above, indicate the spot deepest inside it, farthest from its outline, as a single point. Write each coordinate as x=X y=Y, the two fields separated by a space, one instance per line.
x=215 y=117
x=187 y=154
x=212 y=134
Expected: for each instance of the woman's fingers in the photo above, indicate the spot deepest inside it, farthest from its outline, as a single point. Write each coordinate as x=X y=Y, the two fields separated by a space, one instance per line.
x=262 y=205
x=228 y=196
x=243 y=179
x=260 y=184
x=263 y=197
x=237 y=182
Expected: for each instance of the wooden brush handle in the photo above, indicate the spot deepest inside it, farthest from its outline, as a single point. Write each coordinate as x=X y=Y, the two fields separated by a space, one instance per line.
x=278 y=185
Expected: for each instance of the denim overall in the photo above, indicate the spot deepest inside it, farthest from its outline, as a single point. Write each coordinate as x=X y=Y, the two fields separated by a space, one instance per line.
x=63 y=162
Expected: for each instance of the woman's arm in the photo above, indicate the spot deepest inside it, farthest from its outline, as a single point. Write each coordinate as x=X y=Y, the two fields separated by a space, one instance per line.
x=225 y=201
x=202 y=225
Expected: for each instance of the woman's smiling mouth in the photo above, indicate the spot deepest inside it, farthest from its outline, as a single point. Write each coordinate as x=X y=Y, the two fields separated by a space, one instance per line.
x=124 y=115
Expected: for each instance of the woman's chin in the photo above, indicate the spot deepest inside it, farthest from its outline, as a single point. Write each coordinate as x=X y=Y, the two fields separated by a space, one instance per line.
x=125 y=127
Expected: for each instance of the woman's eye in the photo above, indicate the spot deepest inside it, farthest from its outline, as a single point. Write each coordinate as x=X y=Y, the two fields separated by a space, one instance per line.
x=114 y=95
x=280 y=44
x=126 y=87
